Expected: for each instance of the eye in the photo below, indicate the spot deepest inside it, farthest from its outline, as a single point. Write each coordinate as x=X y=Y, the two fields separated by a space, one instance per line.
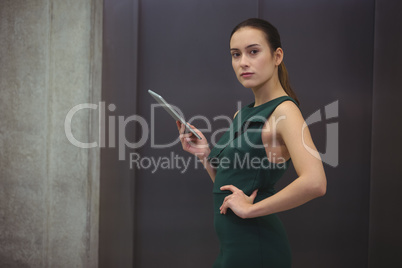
x=254 y=51
x=235 y=54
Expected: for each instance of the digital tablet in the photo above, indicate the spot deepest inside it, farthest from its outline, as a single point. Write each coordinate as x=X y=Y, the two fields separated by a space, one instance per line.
x=171 y=111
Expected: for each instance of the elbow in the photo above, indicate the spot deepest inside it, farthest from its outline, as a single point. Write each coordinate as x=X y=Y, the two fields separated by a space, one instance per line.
x=318 y=188
x=321 y=188
x=321 y=191
x=315 y=185
x=317 y=191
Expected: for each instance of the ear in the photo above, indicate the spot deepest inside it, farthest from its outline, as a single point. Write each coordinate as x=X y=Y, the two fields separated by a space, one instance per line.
x=278 y=56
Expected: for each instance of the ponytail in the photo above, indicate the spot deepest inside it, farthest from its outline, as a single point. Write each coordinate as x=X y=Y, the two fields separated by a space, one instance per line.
x=284 y=79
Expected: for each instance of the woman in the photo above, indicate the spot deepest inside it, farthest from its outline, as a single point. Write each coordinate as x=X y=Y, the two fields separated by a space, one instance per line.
x=254 y=153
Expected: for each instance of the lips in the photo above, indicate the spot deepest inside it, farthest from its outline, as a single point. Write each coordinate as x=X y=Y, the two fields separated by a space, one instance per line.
x=246 y=74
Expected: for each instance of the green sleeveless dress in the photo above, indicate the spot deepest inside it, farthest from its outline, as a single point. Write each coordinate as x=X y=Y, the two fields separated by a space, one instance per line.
x=241 y=160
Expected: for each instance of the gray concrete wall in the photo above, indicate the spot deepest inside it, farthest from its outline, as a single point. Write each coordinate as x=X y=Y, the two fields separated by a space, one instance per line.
x=50 y=61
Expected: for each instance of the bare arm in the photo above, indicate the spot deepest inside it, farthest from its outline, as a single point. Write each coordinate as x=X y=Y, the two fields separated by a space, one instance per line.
x=210 y=169
x=199 y=148
x=311 y=182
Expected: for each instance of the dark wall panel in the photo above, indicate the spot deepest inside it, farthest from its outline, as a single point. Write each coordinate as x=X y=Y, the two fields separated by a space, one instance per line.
x=119 y=78
x=329 y=55
x=386 y=182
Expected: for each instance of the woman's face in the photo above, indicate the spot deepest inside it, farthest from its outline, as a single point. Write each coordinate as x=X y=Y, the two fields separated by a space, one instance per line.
x=252 y=59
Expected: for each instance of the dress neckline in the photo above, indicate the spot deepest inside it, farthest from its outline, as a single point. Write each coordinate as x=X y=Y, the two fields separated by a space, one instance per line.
x=251 y=105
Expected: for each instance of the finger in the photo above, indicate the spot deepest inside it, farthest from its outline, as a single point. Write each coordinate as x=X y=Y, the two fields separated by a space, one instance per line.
x=225 y=204
x=226 y=199
x=188 y=129
x=230 y=188
x=192 y=139
x=195 y=129
x=182 y=128
x=184 y=136
x=254 y=194
x=179 y=124
x=223 y=209
x=189 y=136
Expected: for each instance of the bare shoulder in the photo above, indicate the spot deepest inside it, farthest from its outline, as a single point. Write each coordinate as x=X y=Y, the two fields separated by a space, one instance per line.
x=287 y=108
x=286 y=113
x=287 y=118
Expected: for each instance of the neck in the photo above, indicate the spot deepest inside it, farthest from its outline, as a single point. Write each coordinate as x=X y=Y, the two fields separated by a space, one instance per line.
x=269 y=91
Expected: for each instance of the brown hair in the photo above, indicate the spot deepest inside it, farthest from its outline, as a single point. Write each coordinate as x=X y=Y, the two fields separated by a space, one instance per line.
x=274 y=41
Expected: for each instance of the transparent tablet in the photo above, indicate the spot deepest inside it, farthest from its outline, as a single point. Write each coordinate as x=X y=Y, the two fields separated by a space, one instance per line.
x=171 y=111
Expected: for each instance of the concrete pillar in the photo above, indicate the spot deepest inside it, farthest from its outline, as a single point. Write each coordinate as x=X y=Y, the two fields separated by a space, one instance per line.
x=50 y=61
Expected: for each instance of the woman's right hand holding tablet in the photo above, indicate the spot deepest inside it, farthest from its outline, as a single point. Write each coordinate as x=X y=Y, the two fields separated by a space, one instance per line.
x=191 y=143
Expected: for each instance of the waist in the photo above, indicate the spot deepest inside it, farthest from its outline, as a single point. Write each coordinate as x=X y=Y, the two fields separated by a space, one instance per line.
x=219 y=197
x=261 y=194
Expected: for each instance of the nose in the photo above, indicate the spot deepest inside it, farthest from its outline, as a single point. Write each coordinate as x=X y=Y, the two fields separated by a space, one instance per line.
x=244 y=61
